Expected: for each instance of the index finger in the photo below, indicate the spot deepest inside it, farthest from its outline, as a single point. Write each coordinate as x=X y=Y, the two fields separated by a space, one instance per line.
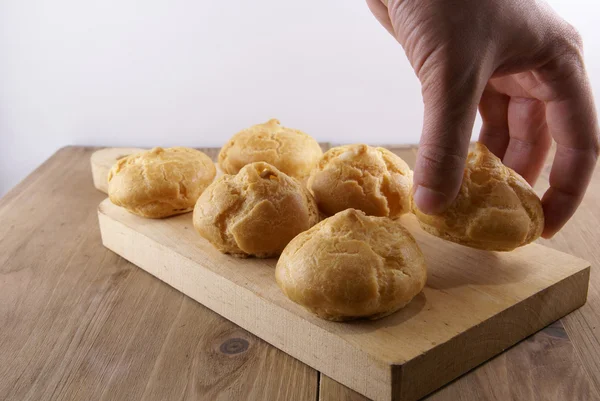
x=572 y=122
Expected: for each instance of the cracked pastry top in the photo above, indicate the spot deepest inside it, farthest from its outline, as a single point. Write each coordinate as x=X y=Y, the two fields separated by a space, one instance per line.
x=160 y=182
x=289 y=150
x=496 y=209
x=254 y=213
x=352 y=266
x=362 y=177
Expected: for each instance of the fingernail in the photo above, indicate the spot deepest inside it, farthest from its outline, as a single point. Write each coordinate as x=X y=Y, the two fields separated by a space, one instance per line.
x=430 y=201
x=547 y=234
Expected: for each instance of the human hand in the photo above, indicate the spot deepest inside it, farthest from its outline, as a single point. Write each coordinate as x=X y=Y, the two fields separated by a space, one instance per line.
x=522 y=66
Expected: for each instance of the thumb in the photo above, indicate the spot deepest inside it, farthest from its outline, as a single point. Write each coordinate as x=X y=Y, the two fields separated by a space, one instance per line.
x=450 y=97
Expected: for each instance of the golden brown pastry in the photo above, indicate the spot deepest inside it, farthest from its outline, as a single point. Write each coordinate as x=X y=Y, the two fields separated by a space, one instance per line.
x=496 y=209
x=256 y=212
x=291 y=151
x=160 y=182
x=351 y=266
x=373 y=180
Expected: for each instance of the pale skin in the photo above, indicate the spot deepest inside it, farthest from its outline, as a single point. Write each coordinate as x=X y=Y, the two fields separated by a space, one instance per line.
x=521 y=66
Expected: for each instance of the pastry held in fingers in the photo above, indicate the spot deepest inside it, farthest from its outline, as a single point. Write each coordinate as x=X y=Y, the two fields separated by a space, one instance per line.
x=256 y=212
x=160 y=182
x=289 y=150
x=496 y=209
x=352 y=266
x=362 y=177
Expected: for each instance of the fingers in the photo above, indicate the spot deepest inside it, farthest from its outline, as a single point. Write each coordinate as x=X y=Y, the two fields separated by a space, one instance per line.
x=450 y=95
x=515 y=130
x=529 y=138
x=494 y=133
x=571 y=173
x=380 y=11
x=572 y=122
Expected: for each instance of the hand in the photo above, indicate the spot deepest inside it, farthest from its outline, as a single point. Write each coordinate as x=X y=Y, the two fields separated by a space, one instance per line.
x=522 y=65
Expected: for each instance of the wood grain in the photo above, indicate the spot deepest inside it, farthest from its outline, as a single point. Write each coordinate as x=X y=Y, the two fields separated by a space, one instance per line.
x=570 y=361
x=581 y=237
x=545 y=365
x=475 y=300
x=42 y=262
x=330 y=390
x=79 y=322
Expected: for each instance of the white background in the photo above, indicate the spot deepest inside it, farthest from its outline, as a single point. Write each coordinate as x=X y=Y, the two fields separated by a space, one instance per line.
x=192 y=73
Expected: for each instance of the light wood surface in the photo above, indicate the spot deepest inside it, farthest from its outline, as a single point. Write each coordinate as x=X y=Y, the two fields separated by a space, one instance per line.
x=80 y=323
x=545 y=366
x=73 y=317
x=478 y=301
x=581 y=237
x=554 y=362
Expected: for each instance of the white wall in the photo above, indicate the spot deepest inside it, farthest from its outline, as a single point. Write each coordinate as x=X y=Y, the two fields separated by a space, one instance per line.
x=144 y=73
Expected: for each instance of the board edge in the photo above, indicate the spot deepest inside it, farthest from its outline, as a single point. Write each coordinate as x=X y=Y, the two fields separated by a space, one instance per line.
x=384 y=368
x=403 y=375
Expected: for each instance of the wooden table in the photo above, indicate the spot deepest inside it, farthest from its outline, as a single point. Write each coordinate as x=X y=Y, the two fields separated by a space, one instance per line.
x=77 y=322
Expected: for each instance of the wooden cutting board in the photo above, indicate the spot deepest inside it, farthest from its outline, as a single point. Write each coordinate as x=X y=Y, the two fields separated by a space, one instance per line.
x=475 y=304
